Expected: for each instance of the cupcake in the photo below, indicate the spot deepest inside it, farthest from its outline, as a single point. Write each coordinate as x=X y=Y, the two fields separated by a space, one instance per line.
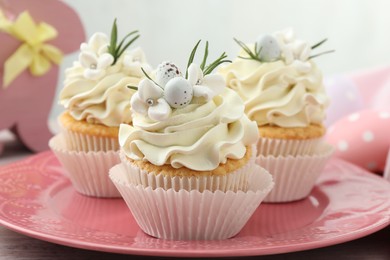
x=188 y=161
x=283 y=92
x=95 y=97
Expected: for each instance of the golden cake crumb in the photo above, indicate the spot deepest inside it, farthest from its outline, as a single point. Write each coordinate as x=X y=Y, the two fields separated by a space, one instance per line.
x=294 y=133
x=68 y=122
x=167 y=170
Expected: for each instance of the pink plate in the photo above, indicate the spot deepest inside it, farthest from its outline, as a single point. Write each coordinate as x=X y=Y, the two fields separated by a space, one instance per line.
x=36 y=199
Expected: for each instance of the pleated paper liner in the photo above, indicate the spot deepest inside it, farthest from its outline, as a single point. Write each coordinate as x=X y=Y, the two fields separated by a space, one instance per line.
x=191 y=214
x=88 y=171
x=284 y=147
x=83 y=142
x=294 y=176
x=237 y=180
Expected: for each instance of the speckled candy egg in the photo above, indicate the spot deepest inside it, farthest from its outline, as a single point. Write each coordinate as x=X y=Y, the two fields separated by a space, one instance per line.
x=165 y=72
x=178 y=92
x=362 y=138
x=270 y=50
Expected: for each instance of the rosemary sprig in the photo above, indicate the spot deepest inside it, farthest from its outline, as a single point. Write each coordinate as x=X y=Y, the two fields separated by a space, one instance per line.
x=117 y=50
x=120 y=49
x=148 y=77
x=318 y=44
x=255 y=55
x=321 y=53
x=209 y=68
x=215 y=64
x=252 y=55
x=132 y=87
x=114 y=38
x=205 y=55
x=192 y=56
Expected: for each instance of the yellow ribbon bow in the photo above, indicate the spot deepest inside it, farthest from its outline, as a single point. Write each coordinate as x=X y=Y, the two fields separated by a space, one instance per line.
x=34 y=53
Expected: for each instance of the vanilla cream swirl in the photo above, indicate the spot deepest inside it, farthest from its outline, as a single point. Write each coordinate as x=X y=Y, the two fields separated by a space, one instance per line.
x=199 y=136
x=106 y=100
x=278 y=94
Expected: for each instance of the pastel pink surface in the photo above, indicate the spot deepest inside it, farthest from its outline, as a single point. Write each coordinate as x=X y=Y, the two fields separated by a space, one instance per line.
x=26 y=103
x=37 y=200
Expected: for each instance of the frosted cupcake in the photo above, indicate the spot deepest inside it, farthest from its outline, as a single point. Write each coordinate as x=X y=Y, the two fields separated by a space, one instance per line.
x=189 y=157
x=95 y=96
x=283 y=92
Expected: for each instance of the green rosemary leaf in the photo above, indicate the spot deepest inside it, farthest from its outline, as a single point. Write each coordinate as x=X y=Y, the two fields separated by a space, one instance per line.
x=120 y=51
x=146 y=74
x=191 y=59
x=318 y=44
x=215 y=64
x=243 y=46
x=257 y=52
x=253 y=56
x=123 y=41
x=320 y=54
x=211 y=68
x=245 y=58
x=149 y=78
x=114 y=38
x=206 y=54
x=132 y=87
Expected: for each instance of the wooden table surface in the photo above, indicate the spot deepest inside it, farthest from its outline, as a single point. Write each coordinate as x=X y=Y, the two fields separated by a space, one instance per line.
x=17 y=246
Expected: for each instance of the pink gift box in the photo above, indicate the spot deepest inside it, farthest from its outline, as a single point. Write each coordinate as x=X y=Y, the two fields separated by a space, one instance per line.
x=26 y=102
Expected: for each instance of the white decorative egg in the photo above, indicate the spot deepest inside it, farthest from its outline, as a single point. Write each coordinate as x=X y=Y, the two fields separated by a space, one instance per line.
x=270 y=50
x=178 y=92
x=165 y=72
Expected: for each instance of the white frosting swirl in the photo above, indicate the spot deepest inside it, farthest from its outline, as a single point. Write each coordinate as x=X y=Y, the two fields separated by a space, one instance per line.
x=287 y=93
x=198 y=136
x=104 y=100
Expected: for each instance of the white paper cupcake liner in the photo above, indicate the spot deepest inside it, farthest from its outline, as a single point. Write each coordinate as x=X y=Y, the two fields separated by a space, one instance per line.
x=294 y=176
x=282 y=147
x=237 y=180
x=192 y=215
x=88 y=171
x=86 y=143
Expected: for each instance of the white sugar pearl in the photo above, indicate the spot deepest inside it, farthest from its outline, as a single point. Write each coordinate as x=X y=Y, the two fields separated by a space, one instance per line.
x=270 y=50
x=178 y=92
x=165 y=72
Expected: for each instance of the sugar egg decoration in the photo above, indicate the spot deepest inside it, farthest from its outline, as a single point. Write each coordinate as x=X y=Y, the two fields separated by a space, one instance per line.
x=267 y=48
x=178 y=92
x=165 y=72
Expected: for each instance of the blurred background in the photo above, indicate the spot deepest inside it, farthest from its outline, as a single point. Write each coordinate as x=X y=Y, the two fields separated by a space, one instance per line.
x=357 y=29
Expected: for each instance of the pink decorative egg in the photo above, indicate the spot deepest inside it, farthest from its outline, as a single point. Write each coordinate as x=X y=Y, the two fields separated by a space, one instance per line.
x=345 y=98
x=362 y=138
